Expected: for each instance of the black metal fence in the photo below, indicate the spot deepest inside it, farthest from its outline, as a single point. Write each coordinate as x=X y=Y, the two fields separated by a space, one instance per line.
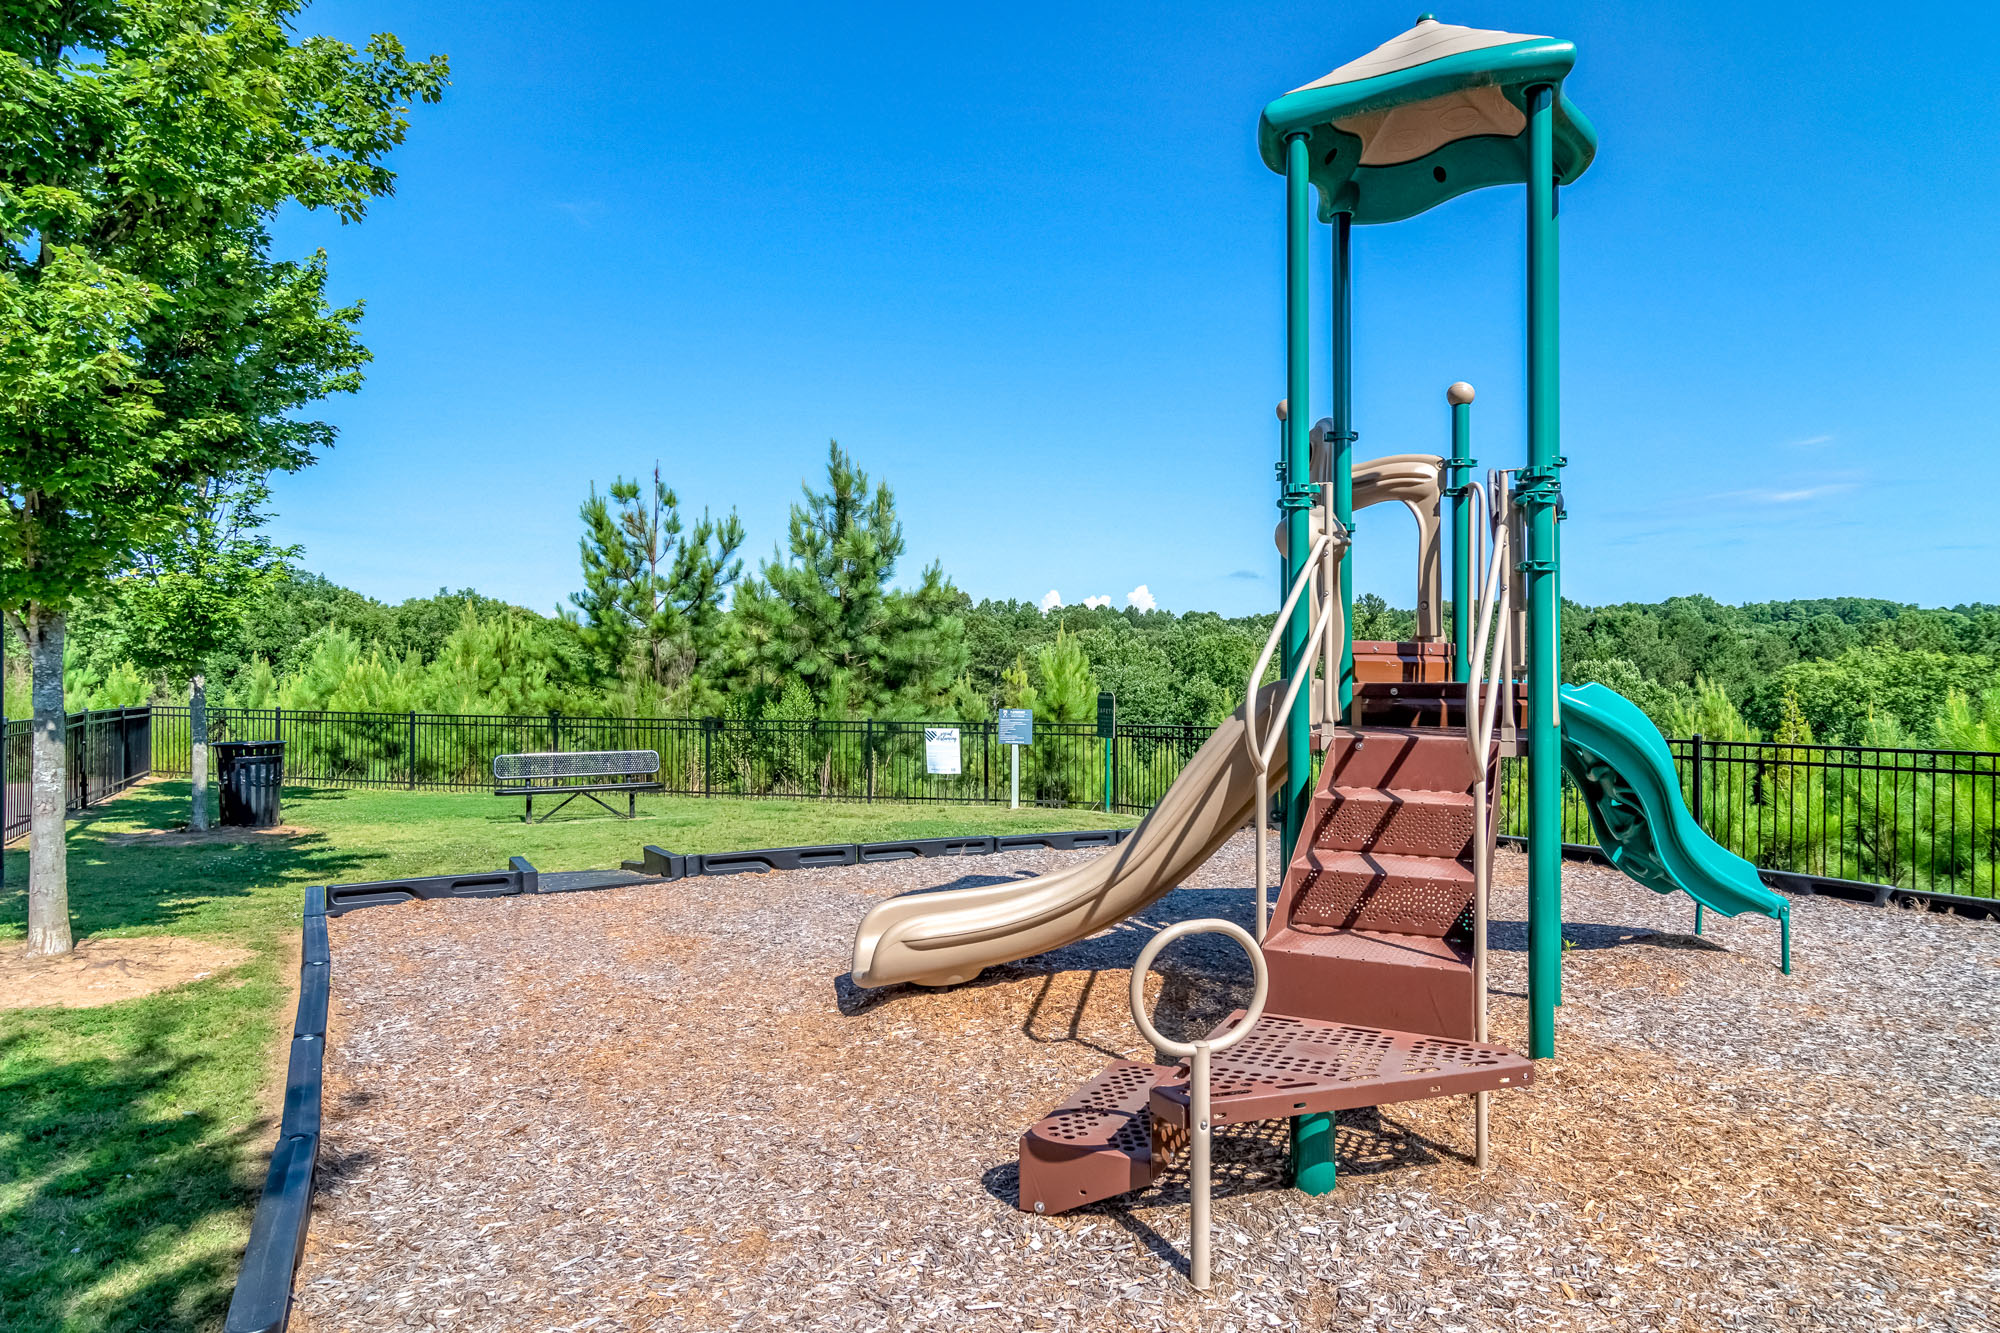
x=107 y=752
x=1914 y=819
x=1927 y=820
x=821 y=760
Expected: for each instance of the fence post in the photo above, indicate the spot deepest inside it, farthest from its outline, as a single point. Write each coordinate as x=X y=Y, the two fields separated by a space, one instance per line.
x=555 y=732
x=868 y=753
x=707 y=741
x=410 y=752
x=1695 y=804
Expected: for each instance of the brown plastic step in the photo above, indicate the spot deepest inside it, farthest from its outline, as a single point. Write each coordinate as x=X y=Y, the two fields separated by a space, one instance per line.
x=1402 y=758
x=1291 y=1066
x=1098 y=1144
x=1385 y=660
x=1422 y=703
x=1377 y=891
x=1408 y=983
x=1396 y=823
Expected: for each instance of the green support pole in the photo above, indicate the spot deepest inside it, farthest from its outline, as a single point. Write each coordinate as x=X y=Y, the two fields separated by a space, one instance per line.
x=1540 y=492
x=1296 y=500
x=1460 y=466
x=1343 y=433
x=1312 y=1136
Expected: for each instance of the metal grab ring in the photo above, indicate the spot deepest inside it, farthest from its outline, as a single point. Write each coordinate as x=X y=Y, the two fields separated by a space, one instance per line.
x=1204 y=926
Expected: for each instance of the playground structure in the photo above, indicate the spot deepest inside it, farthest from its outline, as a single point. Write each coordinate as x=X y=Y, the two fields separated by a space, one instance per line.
x=1371 y=964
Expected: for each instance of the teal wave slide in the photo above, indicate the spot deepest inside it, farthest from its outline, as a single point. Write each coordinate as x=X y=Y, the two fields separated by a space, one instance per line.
x=1620 y=762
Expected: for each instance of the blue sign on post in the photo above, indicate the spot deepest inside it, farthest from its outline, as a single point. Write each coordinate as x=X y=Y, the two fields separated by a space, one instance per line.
x=1017 y=726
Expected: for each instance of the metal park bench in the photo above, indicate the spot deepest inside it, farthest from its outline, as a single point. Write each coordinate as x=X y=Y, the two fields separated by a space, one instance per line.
x=581 y=773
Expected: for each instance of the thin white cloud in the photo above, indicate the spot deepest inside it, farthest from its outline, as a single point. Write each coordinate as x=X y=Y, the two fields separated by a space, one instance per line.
x=1141 y=598
x=1812 y=441
x=1773 y=496
x=1051 y=601
x=1101 y=600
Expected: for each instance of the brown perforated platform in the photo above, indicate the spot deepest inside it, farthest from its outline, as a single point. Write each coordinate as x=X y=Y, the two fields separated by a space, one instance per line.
x=1098 y=1144
x=1293 y=1066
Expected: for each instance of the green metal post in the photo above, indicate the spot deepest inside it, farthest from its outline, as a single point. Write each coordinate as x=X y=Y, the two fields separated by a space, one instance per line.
x=1458 y=479
x=1541 y=490
x=1312 y=1136
x=1343 y=432
x=1296 y=500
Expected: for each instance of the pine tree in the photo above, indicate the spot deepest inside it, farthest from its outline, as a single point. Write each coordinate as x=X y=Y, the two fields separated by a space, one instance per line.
x=828 y=616
x=652 y=604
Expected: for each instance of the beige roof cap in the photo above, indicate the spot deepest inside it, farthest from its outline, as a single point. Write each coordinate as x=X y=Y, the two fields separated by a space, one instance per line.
x=1428 y=41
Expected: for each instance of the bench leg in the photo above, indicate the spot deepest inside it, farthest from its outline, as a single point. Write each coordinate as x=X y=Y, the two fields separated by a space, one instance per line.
x=529 y=817
x=631 y=805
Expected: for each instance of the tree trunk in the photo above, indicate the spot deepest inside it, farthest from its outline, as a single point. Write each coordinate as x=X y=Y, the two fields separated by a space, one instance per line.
x=198 y=750
x=48 y=792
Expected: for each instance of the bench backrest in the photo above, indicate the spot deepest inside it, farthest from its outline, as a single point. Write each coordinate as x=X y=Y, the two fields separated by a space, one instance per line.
x=576 y=764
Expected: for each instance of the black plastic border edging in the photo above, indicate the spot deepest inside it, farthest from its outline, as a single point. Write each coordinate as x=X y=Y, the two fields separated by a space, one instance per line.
x=685 y=865
x=1816 y=886
x=263 y=1298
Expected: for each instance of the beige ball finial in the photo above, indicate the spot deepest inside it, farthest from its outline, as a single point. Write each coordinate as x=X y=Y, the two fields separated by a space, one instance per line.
x=1459 y=394
x=1284 y=406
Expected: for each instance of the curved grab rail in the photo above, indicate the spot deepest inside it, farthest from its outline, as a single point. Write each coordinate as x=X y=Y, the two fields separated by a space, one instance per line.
x=1493 y=547
x=1318 y=582
x=1197 y=1054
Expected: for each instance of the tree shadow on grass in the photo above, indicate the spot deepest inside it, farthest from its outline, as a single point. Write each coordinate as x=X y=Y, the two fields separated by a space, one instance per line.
x=129 y=884
x=124 y=1213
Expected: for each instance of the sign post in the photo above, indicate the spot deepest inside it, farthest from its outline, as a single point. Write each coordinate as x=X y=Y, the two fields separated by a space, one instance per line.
x=1107 y=728
x=1017 y=728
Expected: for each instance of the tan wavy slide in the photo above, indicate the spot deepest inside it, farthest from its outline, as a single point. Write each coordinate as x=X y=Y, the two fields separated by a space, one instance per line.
x=940 y=939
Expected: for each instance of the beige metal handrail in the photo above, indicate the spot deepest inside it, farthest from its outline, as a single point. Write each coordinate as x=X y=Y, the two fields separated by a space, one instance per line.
x=1319 y=583
x=1492 y=547
x=1197 y=1054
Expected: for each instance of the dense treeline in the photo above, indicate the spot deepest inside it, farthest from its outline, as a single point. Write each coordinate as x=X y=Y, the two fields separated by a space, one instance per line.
x=670 y=623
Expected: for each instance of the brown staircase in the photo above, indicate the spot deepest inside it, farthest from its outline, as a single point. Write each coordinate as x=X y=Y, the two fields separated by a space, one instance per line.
x=1371 y=985
x=1370 y=926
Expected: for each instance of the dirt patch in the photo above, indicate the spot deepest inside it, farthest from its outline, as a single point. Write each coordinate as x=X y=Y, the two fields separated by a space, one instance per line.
x=185 y=837
x=106 y=971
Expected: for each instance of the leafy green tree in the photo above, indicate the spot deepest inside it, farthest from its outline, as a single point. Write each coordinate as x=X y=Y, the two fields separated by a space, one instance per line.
x=652 y=603
x=185 y=596
x=828 y=615
x=148 y=338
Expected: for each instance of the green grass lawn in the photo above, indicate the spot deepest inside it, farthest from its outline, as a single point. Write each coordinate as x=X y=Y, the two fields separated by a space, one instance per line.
x=133 y=1137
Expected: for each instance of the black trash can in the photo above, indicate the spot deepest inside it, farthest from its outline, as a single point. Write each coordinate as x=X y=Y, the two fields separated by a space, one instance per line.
x=252 y=773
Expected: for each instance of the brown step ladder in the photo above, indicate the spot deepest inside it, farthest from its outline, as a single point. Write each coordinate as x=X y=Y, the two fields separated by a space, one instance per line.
x=1121 y=1130
x=1372 y=923
x=1371 y=979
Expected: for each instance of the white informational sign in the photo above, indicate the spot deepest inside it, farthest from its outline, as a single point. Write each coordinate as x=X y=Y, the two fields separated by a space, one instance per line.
x=941 y=751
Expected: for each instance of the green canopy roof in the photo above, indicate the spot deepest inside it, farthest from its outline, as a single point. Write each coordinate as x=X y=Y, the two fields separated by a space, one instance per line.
x=1425 y=117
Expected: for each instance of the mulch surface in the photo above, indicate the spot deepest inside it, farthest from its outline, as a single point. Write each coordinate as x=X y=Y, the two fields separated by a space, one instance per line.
x=660 y=1107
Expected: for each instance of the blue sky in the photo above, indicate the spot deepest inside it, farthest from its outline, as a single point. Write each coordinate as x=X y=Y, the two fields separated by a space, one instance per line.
x=1024 y=263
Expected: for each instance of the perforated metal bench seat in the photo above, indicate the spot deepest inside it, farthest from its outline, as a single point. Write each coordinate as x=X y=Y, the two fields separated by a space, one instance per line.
x=570 y=774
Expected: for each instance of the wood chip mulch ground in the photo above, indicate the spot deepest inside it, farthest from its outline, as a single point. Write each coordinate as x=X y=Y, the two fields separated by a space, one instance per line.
x=659 y=1107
